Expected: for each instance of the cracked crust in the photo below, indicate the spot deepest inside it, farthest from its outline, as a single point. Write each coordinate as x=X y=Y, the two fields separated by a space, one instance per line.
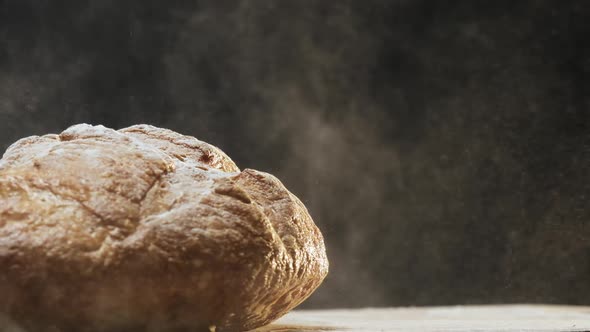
x=144 y=229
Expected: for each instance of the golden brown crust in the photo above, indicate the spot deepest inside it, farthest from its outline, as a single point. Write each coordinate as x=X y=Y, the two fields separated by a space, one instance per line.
x=149 y=230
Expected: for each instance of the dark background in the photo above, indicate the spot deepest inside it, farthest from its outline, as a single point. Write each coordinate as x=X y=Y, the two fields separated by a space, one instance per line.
x=442 y=146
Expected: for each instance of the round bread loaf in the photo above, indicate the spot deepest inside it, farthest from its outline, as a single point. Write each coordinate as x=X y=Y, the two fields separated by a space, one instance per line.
x=144 y=229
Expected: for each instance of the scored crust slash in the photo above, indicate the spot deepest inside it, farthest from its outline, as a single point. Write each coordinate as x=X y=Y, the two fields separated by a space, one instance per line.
x=145 y=229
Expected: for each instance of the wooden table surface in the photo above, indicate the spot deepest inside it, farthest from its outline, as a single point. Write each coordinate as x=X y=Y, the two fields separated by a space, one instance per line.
x=504 y=318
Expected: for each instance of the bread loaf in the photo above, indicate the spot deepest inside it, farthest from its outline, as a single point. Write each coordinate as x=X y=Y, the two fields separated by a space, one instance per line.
x=144 y=229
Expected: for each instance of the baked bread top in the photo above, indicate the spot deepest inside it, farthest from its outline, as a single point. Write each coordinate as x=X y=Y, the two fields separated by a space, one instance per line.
x=149 y=230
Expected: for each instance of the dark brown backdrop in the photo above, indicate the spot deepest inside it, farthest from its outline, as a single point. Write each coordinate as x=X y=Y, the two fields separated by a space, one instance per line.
x=442 y=146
